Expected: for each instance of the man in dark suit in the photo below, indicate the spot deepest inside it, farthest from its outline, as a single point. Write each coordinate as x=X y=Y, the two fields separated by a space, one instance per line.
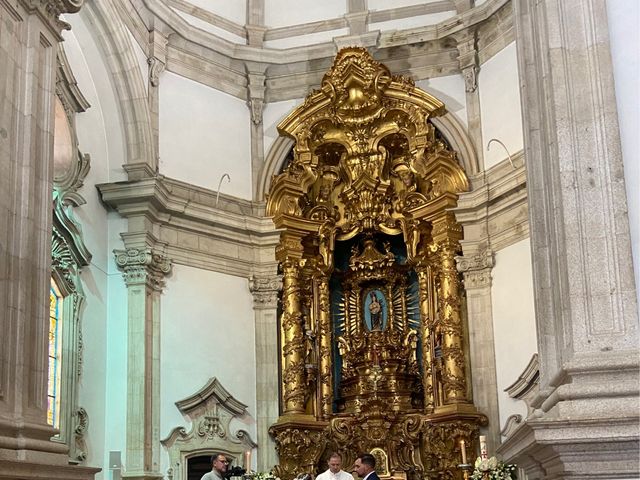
x=365 y=467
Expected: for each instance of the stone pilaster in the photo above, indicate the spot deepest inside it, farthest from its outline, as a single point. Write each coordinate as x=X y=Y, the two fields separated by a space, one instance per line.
x=255 y=23
x=470 y=68
x=476 y=265
x=255 y=101
x=144 y=271
x=157 y=61
x=265 y=292
x=586 y=417
x=30 y=33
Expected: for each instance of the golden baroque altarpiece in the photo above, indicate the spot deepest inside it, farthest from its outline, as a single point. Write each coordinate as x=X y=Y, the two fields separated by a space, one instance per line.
x=372 y=331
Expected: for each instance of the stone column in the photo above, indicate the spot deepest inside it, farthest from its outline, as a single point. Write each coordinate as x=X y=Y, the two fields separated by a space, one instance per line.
x=265 y=305
x=585 y=299
x=29 y=35
x=144 y=271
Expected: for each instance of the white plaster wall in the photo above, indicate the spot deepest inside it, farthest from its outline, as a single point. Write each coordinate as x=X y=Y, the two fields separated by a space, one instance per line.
x=98 y=135
x=204 y=133
x=449 y=90
x=234 y=10
x=624 y=18
x=208 y=27
x=413 y=22
x=273 y=114
x=207 y=330
x=500 y=109
x=279 y=13
x=513 y=321
x=112 y=132
x=116 y=347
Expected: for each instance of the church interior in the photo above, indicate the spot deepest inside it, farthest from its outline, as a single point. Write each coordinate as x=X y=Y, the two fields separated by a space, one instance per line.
x=276 y=230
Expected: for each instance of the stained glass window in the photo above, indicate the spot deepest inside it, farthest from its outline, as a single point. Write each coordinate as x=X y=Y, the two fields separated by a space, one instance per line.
x=55 y=351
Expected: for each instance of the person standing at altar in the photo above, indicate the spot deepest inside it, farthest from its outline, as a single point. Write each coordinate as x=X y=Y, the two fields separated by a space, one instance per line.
x=335 y=471
x=365 y=467
x=218 y=467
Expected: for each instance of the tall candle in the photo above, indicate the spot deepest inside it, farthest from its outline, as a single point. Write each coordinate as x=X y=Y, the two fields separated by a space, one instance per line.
x=463 y=449
x=483 y=447
x=247 y=460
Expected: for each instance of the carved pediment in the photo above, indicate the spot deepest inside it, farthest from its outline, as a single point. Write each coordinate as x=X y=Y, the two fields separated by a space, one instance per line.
x=211 y=411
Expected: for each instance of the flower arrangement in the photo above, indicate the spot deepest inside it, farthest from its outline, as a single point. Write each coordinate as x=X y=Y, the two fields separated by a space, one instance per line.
x=264 y=476
x=493 y=469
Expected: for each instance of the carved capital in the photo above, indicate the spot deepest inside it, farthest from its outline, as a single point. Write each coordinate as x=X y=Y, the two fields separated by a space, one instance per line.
x=480 y=260
x=265 y=291
x=476 y=269
x=143 y=267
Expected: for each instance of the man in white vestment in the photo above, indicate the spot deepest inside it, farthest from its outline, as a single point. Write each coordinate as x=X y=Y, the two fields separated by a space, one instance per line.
x=335 y=471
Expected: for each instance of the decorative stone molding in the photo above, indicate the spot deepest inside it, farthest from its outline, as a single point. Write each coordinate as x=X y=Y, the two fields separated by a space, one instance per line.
x=292 y=70
x=211 y=410
x=52 y=9
x=69 y=255
x=476 y=269
x=494 y=212
x=143 y=267
x=233 y=237
x=510 y=425
x=265 y=291
x=156 y=67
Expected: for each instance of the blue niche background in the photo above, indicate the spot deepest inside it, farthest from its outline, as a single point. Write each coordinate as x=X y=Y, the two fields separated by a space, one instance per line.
x=342 y=253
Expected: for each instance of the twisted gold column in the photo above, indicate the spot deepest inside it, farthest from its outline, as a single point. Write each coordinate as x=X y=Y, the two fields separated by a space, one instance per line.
x=446 y=237
x=324 y=347
x=427 y=315
x=292 y=338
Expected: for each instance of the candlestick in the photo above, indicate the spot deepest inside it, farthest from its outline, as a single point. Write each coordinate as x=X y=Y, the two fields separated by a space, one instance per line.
x=247 y=460
x=463 y=449
x=483 y=447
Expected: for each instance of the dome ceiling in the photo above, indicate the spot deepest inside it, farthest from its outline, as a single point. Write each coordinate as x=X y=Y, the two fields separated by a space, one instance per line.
x=310 y=22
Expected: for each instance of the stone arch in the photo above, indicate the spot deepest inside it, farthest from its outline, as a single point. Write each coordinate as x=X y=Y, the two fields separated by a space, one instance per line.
x=128 y=80
x=449 y=126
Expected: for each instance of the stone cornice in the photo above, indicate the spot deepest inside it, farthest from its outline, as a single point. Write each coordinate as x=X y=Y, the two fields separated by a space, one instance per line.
x=428 y=52
x=496 y=206
x=232 y=236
